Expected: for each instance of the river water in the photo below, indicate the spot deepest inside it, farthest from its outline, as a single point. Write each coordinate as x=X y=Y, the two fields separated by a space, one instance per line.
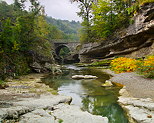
x=88 y=94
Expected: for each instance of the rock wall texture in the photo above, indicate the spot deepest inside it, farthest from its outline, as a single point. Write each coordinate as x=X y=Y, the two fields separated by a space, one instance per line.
x=135 y=41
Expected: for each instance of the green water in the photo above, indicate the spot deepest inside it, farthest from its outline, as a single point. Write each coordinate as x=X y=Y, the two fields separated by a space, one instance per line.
x=88 y=94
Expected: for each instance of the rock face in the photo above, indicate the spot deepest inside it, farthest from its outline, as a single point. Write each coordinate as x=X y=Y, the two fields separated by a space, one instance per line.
x=135 y=41
x=40 y=59
x=72 y=58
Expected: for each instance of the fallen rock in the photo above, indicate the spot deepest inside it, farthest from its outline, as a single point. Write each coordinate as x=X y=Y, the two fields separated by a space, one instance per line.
x=56 y=69
x=36 y=66
x=84 y=77
x=107 y=83
x=123 y=92
x=48 y=66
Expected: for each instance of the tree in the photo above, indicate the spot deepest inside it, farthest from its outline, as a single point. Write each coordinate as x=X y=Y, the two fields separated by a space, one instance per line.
x=86 y=14
x=109 y=16
x=102 y=17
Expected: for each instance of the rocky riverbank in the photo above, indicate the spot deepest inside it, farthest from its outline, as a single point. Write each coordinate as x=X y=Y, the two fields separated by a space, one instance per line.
x=27 y=100
x=137 y=97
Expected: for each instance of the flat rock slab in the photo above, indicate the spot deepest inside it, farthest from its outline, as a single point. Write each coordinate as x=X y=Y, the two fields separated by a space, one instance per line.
x=74 y=114
x=84 y=77
x=139 y=110
x=44 y=101
x=62 y=113
x=48 y=109
x=37 y=116
x=26 y=105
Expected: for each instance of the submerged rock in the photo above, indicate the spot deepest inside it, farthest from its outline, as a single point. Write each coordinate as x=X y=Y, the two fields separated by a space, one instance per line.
x=107 y=83
x=84 y=77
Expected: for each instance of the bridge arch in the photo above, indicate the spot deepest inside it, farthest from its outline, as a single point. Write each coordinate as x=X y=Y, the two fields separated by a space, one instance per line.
x=58 y=49
x=71 y=57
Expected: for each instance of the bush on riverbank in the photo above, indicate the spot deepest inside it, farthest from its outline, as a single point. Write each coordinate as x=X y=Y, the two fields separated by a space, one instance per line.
x=145 y=1
x=12 y=65
x=101 y=63
x=122 y=64
x=3 y=84
x=144 y=67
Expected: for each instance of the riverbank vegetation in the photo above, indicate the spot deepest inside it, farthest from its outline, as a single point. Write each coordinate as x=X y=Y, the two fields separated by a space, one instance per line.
x=101 y=18
x=142 y=66
x=25 y=32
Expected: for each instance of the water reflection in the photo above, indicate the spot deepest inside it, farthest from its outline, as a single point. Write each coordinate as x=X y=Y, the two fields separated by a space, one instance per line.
x=88 y=94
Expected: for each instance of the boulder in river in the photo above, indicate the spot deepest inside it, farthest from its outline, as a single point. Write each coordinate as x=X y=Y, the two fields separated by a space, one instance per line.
x=107 y=83
x=84 y=77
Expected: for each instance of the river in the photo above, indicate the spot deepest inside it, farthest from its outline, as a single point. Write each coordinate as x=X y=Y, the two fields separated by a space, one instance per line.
x=88 y=94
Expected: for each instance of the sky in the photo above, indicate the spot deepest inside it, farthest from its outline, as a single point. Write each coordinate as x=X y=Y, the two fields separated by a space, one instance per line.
x=59 y=9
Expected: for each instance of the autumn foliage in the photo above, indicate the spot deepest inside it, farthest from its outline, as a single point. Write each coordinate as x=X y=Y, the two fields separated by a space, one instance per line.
x=123 y=64
x=144 y=67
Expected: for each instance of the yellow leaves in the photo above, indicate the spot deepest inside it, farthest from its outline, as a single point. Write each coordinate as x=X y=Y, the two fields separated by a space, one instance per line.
x=123 y=64
x=145 y=67
x=15 y=46
x=149 y=61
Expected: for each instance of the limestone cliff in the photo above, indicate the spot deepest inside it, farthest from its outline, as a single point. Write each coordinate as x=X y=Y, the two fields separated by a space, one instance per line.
x=135 y=41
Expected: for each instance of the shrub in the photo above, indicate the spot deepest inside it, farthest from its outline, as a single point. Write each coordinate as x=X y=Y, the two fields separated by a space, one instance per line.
x=146 y=67
x=123 y=64
x=101 y=63
x=145 y=1
x=3 y=84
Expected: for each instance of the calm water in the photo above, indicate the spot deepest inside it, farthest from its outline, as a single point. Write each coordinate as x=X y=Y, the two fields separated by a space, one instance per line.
x=88 y=94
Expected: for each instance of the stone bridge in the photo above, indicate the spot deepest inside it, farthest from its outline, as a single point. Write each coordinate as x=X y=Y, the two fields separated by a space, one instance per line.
x=72 y=46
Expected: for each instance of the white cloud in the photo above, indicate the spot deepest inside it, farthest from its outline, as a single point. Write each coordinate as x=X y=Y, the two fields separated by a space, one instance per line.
x=60 y=9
